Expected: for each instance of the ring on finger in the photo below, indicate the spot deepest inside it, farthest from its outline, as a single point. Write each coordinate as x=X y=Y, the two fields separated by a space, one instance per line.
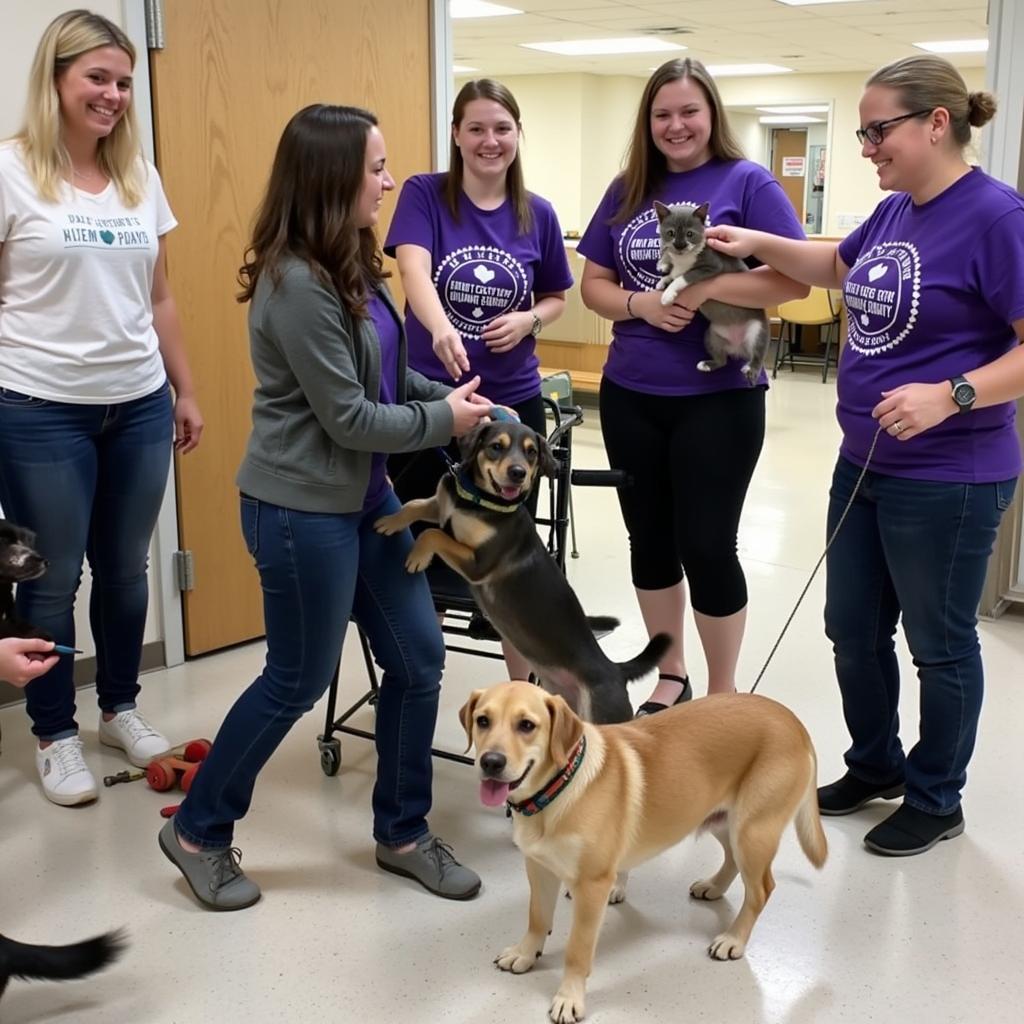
x=898 y=426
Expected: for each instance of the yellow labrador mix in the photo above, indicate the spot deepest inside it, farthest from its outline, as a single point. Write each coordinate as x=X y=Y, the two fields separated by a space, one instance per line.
x=592 y=801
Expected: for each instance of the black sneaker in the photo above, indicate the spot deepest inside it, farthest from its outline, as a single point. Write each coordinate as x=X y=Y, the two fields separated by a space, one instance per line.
x=850 y=794
x=908 y=831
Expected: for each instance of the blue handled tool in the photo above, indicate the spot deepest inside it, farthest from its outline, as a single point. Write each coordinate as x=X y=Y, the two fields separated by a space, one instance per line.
x=498 y=413
x=61 y=649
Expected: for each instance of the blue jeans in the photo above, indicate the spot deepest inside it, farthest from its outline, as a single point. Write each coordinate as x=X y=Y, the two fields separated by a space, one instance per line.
x=89 y=480
x=916 y=549
x=317 y=571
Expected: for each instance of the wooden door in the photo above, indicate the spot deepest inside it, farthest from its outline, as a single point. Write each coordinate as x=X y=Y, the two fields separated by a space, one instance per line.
x=791 y=145
x=232 y=73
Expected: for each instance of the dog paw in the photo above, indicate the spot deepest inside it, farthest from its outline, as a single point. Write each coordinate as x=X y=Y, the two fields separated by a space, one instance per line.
x=617 y=895
x=567 y=1007
x=704 y=366
x=418 y=559
x=388 y=525
x=726 y=947
x=516 y=960
x=705 y=889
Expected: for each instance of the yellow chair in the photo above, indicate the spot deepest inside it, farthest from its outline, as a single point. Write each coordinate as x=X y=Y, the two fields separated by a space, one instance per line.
x=821 y=309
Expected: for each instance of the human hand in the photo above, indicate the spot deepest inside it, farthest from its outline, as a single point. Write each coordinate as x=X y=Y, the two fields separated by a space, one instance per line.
x=911 y=409
x=738 y=242
x=672 y=318
x=504 y=332
x=22 y=660
x=465 y=412
x=188 y=424
x=448 y=347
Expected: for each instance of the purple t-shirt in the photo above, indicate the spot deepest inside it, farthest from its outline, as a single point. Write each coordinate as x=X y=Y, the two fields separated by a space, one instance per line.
x=648 y=359
x=482 y=267
x=387 y=331
x=931 y=294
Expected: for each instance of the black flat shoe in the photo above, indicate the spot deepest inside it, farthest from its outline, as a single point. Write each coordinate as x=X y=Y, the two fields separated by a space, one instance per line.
x=850 y=794
x=652 y=707
x=908 y=831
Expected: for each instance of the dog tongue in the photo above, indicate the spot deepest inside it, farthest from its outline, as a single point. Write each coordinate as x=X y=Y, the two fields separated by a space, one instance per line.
x=493 y=794
x=510 y=493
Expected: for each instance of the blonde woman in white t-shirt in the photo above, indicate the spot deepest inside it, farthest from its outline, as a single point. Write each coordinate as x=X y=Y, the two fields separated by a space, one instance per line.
x=90 y=346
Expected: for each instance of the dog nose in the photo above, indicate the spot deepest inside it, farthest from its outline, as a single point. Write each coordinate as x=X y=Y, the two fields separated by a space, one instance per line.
x=492 y=763
x=517 y=474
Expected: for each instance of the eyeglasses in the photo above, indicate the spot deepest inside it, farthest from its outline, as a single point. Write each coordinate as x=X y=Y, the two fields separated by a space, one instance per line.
x=874 y=133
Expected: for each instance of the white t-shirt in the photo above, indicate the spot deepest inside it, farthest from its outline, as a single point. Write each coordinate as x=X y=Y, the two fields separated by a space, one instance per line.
x=76 y=280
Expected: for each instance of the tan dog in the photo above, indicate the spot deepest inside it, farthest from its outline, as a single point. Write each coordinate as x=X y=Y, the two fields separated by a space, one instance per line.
x=593 y=801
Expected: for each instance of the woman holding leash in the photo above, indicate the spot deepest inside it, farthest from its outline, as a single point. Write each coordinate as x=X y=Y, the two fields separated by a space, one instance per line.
x=90 y=349
x=689 y=440
x=333 y=398
x=934 y=285
x=483 y=266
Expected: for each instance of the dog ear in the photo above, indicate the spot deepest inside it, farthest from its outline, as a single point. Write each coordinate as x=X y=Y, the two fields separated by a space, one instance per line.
x=545 y=460
x=471 y=442
x=566 y=729
x=466 y=714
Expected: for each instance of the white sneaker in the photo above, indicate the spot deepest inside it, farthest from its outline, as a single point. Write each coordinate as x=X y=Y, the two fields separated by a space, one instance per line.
x=130 y=732
x=62 y=769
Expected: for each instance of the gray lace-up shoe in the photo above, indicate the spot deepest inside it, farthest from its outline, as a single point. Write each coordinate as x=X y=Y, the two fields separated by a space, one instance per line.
x=434 y=866
x=215 y=876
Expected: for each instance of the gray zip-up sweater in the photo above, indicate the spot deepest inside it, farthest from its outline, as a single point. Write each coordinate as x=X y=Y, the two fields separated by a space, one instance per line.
x=316 y=420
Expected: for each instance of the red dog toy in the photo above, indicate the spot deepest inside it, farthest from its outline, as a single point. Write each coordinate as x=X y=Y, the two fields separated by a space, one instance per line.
x=166 y=772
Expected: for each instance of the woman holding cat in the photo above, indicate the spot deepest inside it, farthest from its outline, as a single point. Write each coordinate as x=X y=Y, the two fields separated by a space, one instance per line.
x=689 y=439
x=934 y=284
x=484 y=269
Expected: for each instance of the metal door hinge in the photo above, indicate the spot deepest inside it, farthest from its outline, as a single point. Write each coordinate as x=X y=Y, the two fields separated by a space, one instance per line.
x=184 y=570
x=155 y=24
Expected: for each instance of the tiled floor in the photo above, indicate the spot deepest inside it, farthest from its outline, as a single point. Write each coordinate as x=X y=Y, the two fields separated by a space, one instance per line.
x=931 y=939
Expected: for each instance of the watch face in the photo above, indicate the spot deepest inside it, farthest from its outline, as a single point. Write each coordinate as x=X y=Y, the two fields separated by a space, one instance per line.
x=963 y=394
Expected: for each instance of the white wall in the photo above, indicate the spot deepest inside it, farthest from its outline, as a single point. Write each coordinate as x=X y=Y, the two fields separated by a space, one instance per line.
x=23 y=23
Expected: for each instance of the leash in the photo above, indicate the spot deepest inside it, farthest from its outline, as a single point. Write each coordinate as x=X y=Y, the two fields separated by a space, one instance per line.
x=814 y=571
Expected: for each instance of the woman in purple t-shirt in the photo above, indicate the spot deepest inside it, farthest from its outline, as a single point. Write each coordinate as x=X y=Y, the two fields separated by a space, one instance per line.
x=484 y=268
x=689 y=440
x=934 y=286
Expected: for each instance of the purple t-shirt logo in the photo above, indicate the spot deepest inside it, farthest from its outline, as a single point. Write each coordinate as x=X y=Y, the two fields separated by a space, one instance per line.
x=477 y=283
x=883 y=295
x=640 y=249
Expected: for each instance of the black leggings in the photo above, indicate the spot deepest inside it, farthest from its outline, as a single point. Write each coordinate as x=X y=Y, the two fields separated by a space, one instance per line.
x=691 y=458
x=416 y=474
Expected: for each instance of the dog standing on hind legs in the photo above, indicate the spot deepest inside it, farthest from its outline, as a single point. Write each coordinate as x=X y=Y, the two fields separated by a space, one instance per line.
x=590 y=802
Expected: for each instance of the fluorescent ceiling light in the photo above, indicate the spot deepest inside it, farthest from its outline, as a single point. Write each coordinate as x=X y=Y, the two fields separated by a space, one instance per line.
x=723 y=70
x=794 y=110
x=790 y=119
x=478 y=9
x=815 y=3
x=591 y=47
x=462 y=69
x=955 y=46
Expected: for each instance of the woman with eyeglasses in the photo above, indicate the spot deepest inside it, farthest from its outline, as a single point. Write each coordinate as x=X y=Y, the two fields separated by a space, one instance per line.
x=934 y=285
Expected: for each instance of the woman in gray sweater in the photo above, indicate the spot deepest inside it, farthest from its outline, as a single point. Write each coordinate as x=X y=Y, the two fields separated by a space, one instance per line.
x=333 y=398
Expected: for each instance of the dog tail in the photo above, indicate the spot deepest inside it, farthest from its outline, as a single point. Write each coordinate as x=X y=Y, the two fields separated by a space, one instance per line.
x=647 y=660
x=808 y=821
x=58 y=963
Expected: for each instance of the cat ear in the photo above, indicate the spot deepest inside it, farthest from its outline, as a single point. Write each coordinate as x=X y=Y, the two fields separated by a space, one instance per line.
x=661 y=210
x=701 y=213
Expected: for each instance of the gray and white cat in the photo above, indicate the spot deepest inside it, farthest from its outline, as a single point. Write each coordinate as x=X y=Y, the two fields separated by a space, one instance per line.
x=685 y=259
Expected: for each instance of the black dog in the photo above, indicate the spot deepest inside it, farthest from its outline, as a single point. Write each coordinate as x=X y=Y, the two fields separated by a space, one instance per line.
x=57 y=963
x=494 y=546
x=19 y=561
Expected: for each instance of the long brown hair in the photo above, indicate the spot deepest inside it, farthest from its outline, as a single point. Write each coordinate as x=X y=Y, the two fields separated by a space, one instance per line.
x=924 y=82
x=488 y=89
x=308 y=210
x=646 y=166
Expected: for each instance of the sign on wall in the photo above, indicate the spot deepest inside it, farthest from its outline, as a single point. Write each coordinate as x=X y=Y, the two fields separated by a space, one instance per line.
x=793 y=166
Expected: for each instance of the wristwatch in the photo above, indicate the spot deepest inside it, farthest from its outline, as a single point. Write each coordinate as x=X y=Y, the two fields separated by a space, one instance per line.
x=964 y=394
x=538 y=325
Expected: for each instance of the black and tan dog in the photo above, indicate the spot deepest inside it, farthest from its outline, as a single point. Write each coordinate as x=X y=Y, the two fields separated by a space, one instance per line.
x=494 y=545
x=19 y=562
x=591 y=802
x=57 y=963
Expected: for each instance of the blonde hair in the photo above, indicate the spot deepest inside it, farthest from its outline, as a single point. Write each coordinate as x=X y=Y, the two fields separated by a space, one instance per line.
x=924 y=82
x=66 y=38
x=646 y=165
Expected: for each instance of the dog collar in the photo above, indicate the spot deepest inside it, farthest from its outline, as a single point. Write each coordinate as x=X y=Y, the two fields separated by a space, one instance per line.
x=541 y=799
x=468 y=491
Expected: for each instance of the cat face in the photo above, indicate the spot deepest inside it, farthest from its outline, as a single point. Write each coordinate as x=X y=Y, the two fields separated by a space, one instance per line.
x=681 y=226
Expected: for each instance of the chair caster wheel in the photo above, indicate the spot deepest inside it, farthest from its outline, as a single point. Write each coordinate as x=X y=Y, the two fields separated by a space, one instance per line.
x=330 y=756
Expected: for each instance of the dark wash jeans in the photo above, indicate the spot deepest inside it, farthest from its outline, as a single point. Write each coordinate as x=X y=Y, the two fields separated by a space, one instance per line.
x=918 y=550
x=89 y=480
x=317 y=571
